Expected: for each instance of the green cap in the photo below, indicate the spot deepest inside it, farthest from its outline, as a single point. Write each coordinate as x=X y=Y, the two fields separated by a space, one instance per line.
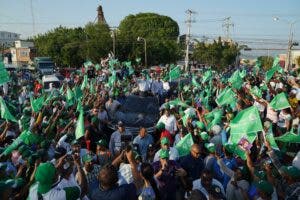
x=74 y=142
x=204 y=135
x=44 y=175
x=264 y=187
x=87 y=158
x=102 y=143
x=292 y=171
x=229 y=147
x=45 y=144
x=260 y=174
x=210 y=147
x=94 y=120
x=200 y=125
x=160 y=126
x=164 y=154
x=164 y=140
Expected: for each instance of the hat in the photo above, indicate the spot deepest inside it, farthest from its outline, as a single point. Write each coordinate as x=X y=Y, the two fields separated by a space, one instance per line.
x=44 y=175
x=102 y=143
x=164 y=140
x=120 y=124
x=292 y=171
x=210 y=147
x=87 y=158
x=264 y=186
x=260 y=174
x=160 y=126
x=94 y=120
x=204 y=135
x=216 y=129
x=164 y=154
x=229 y=147
x=167 y=106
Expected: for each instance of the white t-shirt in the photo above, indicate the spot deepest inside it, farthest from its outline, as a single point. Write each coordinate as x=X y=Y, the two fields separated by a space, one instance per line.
x=170 y=123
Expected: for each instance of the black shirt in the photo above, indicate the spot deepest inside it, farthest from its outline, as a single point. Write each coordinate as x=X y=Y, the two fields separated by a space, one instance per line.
x=123 y=192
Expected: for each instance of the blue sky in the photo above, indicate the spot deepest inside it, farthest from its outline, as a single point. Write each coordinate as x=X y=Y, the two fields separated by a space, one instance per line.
x=253 y=19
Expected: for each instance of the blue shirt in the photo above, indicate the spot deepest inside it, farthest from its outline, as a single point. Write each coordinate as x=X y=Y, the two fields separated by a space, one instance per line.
x=143 y=144
x=124 y=192
x=193 y=166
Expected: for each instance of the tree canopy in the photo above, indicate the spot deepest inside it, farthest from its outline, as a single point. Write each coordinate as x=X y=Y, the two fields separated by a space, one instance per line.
x=219 y=54
x=160 y=32
x=71 y=46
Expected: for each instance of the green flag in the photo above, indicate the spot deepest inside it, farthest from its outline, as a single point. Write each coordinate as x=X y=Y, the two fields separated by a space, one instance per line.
x=271 y=139
x=214 y=117
x=184 y=145
x=280 y=102
x=87 y=64
x=243 y=73
x=84 y=82
x=4 y=76
x=194 y=82
x=112 y=79
x=5 y=114
x=129 y=67
x=113 y=63
x=177 y=102
x=20 y=139
x=37 y=104
x=77 y=92
x=92 y=87
x=174 y=73
x=79 y=132
x=275 y=68
x=246 y=121
x=70 y=97
x=49 y=98
x=289 y=137
x=256 y=91
x=207 y=76
x=227 y=96
x=236 y=80
x=97 y=67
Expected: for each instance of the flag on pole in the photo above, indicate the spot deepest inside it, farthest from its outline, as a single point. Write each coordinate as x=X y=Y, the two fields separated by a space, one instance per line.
x=112 y=79
x=79 y=132
x=184 y=145
x=227 y=96
x=194 y=82
x=77 y=92
x=174 y=73
x=256 y=91
x=207 y=76
x=280 y=102
x=236 y=80
x=289 y=137
x=270 y=138
x=70 y=97
x=37 y=104
x=5 y=114
x=84 y=82
x=246 y=121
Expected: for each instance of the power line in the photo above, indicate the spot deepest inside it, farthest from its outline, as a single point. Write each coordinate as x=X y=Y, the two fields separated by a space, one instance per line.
x=227 y=24
x=188 y=35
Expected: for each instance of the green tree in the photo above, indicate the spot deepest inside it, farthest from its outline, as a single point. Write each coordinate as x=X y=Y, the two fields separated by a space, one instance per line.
x=218 y=54
x=266 y=62
x=160 y=32
x=71 y=46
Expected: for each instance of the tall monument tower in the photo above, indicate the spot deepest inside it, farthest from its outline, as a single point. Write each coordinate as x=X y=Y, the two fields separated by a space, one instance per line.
x=101 y=19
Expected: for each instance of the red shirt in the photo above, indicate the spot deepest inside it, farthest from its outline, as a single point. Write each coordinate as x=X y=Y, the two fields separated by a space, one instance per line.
x=168 y=135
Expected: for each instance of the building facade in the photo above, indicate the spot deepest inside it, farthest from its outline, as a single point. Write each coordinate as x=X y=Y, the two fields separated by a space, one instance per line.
x=7 y=39
x=22 y=53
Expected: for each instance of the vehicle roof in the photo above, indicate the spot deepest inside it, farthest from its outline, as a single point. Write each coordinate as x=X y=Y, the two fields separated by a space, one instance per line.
x=50 y=78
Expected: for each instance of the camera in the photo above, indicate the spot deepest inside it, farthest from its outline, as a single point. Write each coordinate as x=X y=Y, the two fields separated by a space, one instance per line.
x=126 y=142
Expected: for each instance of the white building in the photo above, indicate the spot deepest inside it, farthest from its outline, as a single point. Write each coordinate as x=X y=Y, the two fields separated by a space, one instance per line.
x=8 y=38
x=21 y=52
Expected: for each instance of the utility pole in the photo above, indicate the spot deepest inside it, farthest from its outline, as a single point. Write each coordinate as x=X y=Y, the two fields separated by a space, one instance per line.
x=290 y=45
x=227 y=23
x=188 y=36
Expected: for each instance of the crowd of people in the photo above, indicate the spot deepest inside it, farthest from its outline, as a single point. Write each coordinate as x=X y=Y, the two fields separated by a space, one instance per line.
x=192 y=153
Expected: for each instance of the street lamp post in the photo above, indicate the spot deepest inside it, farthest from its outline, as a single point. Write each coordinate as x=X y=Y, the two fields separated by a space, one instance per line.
x=290 y=42
x=145 y=48
x=113 y=35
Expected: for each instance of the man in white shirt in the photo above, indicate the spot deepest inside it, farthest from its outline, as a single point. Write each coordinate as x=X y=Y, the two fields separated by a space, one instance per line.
x=143 y=85
x=157 y=87
x=169 y=121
